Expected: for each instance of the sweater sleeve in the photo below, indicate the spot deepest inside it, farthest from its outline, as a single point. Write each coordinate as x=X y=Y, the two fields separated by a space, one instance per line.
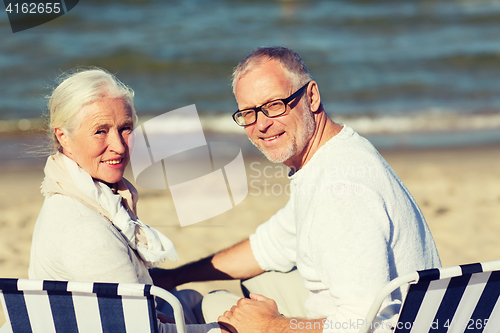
x=274 y=242
x=93 y=251
x=350 y=243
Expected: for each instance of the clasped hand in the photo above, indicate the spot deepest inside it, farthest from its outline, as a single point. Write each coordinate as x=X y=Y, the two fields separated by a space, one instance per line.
x=257 y=314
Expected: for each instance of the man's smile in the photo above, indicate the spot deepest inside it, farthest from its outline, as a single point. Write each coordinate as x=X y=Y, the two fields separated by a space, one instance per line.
x=270 y=138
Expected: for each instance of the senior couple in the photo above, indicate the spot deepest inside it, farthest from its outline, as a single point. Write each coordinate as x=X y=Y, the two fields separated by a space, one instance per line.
x=319 y=260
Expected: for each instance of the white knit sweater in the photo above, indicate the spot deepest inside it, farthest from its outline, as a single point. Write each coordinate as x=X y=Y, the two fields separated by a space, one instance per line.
x=350 y=227
x=75 y=243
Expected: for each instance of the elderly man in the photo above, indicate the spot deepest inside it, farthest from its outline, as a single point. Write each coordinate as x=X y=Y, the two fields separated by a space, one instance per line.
x=349 y=227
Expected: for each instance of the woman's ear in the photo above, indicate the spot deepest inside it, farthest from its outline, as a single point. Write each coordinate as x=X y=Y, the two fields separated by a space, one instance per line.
x=62 y=137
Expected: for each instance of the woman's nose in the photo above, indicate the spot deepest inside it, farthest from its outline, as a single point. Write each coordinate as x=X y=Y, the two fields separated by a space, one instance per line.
x=117 y=143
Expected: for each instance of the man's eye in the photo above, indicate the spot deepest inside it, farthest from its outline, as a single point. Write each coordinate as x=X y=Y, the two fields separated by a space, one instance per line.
x=274 y=104
x=247 y=114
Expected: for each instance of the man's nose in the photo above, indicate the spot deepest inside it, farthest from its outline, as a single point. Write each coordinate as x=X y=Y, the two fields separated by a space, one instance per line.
x=263 y=122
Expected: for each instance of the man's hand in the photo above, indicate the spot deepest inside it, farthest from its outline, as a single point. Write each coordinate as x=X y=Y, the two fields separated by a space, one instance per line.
x=257 y=314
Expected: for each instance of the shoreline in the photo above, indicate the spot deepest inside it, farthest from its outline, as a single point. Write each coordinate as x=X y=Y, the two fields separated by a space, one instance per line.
x=27 y=150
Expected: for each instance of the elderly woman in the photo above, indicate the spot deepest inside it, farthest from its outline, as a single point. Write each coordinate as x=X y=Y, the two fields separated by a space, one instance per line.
x=88 y=229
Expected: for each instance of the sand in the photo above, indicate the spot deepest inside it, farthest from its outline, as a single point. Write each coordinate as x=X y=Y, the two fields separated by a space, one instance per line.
x=458 y=191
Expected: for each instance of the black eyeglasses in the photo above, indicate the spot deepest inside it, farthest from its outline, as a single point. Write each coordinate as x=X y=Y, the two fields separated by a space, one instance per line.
x=270 y=109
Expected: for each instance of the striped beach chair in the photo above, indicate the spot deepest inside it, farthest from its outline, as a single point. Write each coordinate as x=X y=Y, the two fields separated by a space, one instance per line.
x=67 y=307
x=454 y=299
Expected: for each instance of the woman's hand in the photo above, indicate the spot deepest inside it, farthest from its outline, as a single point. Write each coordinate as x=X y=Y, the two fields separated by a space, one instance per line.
x=225 y=328
x=164 y=318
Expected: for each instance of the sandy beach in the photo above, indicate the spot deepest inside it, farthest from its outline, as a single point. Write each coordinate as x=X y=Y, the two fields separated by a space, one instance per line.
x=458 y=191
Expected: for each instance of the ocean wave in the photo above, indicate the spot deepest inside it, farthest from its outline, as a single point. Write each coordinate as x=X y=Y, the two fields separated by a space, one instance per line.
x=430 y=121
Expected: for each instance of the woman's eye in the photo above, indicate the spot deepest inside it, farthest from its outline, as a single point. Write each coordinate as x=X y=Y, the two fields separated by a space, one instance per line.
x=100 y=132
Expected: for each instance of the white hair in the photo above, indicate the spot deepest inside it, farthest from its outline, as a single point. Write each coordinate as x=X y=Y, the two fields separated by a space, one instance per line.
x=293 y=64
x=78 y=89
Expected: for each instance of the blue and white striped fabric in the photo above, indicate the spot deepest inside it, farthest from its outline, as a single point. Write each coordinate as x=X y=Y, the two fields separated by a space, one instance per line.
x=453 y=300
x=59 y=306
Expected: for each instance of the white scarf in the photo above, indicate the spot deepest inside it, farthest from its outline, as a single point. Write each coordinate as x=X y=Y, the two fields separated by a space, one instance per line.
x=151 y=245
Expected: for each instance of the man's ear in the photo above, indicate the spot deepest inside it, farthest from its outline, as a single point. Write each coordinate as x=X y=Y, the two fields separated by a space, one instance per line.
x=62 y=137
x=313 y=96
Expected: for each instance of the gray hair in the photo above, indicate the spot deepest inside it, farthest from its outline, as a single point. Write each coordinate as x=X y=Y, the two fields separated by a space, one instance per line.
x=292 y=63
x=77 y=89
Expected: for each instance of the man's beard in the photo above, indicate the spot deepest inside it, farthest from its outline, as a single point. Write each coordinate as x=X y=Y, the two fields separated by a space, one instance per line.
x=297 y=143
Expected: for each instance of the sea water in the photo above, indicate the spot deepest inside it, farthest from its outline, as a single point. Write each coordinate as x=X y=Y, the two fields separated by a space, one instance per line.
x=404 y=67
